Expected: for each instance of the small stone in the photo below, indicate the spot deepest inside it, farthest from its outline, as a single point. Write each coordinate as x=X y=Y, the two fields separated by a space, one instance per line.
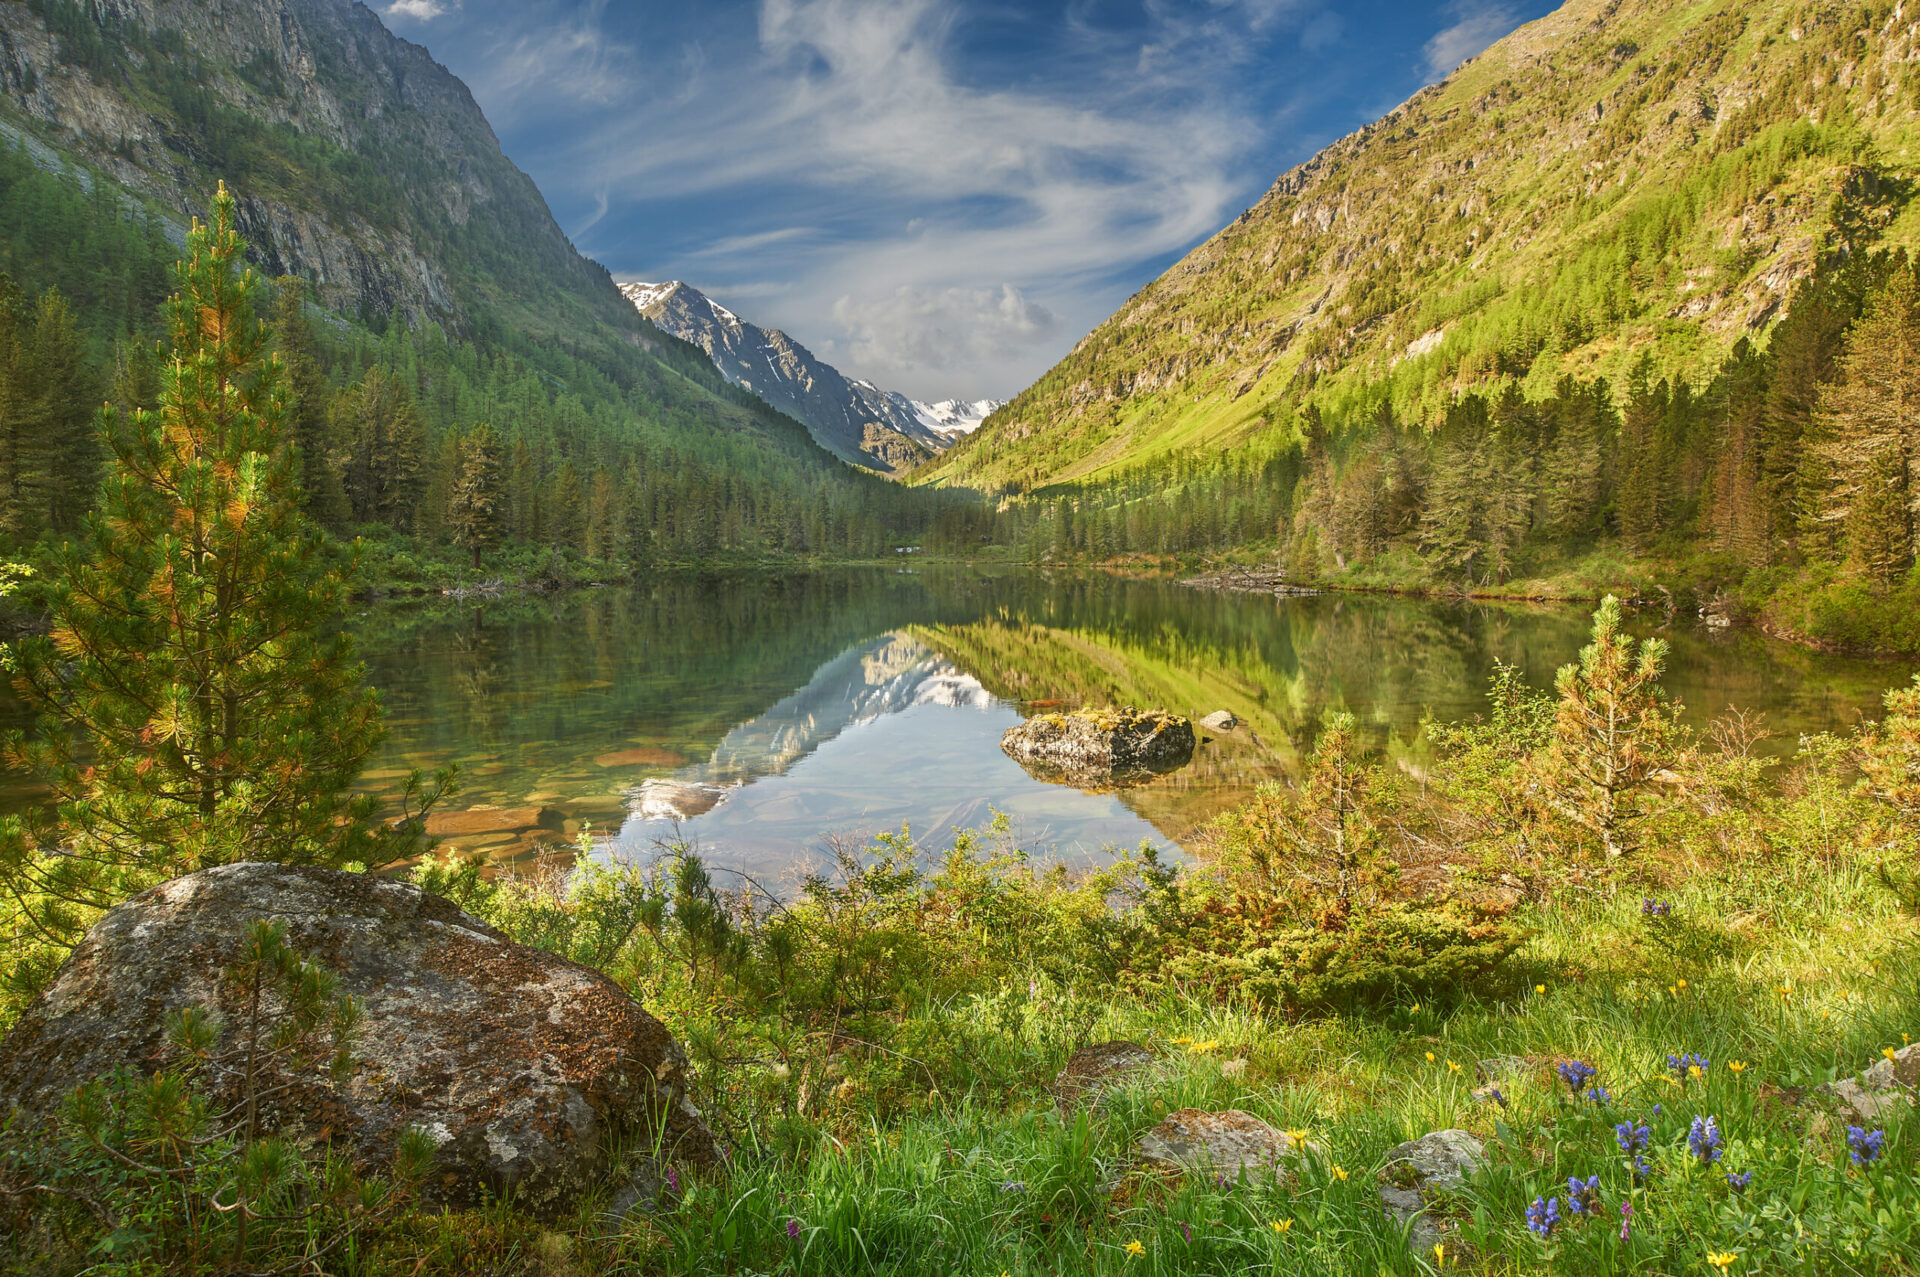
x=1441 y=1160
x=1224 y=1143
x=1883 y=1092
x=1220 y=721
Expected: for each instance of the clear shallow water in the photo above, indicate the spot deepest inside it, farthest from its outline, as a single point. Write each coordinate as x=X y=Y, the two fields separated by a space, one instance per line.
x=760 y=716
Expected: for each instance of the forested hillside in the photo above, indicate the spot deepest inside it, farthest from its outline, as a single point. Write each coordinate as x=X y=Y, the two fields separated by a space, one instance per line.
x=1628 y=283
x=464 y=378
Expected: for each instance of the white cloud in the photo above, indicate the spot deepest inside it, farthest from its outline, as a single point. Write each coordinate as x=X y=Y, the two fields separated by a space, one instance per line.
x=915 y=329
x=1477 y=24
x=415 y=10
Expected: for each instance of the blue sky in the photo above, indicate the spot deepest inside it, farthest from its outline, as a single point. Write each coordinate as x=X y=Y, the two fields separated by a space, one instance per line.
x=942 y=196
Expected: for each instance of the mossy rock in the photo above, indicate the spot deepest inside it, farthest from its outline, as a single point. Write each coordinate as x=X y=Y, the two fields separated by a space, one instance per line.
x=1101 y=748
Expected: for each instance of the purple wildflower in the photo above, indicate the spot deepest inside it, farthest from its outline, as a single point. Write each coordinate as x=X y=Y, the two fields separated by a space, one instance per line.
x=1498 y=1097
x=1543 y=1217
x=1600 y=1095
x=1576 y=1074
x=1583 y=1196
x=793 y=1230
x=1631 y=1138
x=1641 y=1170
x=1865 y=1146
x=1626 y=1220
x=1703 y=1139
x=1014 y=1186
x=1651 y=908
x=1684 y=1065
x=1186 y=1231
x=1738 y=1181
x=673 y=1180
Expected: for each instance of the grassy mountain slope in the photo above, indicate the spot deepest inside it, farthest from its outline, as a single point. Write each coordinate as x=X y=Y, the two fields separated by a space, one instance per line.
x=1621 y=178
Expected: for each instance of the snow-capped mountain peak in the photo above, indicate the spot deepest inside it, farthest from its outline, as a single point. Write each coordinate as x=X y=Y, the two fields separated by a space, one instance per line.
x=956 y=417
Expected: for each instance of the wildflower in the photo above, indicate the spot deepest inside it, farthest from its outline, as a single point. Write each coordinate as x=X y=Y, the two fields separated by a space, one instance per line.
x=1283 y=1226
x=1429 y=1057
x=1721 y=1259
x=793 y=1230
x=1498 y=1096
x=1186 y=1232
x=1452 y=1067
x=1181 y=1041
x=1576 y=1074
x=1651 y=908
x=1688 y=1066
x=1600 y=1095
x=1416 y=1008
x=1014 y=1186
x=1134 y=1248
x=1626 y=1220
x=1889 y=1052
x=1340 y=1172
x=1439 y=1254
x=1681 y=984
x=1201 y=1048
x=1583 y=1196
x=1543 y=1217
x=1736 y=1067
x=1865 y=1146
x=1539 y=988
x=1631 y=1138
x=1298 y=1139
x=1738 y=1181
x=673 y=1180
x=1641 y=1170
x=1658 y=1109
x=1703 y=1139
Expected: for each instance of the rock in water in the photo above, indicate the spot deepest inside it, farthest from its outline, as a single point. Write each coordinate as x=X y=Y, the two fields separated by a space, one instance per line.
x=1100 y=747
x=523 y=1066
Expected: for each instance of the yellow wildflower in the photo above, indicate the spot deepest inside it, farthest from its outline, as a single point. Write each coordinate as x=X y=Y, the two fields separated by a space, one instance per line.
x=1416 y=1007
x=1297 y=1138
x=1681 y=984
x=1721 y=1259
x=1452 y=1067
x=1181 y=1041
x=1429 y=1057
x=1439 y=1254
x=1282 y=1226
x=1339 y=1172
x=1889 y=1052
x=1539 y=988
x=1201 y=1048
x=1135 y=1249
x=1695 y=1071
x=1736 y=1066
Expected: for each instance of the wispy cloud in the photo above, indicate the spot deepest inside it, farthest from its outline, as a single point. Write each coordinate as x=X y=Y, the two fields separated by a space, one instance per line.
x=416 y=10
x=1476 y=25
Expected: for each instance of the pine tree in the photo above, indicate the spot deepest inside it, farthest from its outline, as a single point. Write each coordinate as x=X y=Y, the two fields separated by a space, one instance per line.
x=1870 y=427
x=309 y=416
x=473 y=508
x=197 y=705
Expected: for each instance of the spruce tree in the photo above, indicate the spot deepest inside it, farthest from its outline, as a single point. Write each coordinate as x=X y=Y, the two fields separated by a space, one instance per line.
x=198 y=704
x=1871 y=432
x=309 y=419
x=473 y=506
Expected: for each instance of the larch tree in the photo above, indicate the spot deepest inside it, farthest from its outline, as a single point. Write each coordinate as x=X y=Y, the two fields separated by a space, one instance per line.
x=1870 y=437
x=198 y=703
x=474 y=513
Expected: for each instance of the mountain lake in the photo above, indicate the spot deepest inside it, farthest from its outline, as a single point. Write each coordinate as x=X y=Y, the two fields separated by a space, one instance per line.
x=760 y=718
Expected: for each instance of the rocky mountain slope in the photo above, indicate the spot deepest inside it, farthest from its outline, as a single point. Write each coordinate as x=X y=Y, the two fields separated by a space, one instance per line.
x=1623 y=178
x=361 y=166
x=851 y=418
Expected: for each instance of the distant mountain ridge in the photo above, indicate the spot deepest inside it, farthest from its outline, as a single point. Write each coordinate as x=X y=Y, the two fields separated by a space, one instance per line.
x=852 y=418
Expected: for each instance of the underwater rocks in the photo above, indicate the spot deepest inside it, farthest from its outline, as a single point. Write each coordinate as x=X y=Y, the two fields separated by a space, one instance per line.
x=523 y=1068
x=1100 y=748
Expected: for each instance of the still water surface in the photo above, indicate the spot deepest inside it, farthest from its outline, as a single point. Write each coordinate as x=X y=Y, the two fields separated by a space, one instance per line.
x=759 y=717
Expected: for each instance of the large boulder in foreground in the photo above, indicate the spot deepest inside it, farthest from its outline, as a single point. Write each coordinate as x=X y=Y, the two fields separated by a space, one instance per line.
x=524 y=1067
x=1100 y=748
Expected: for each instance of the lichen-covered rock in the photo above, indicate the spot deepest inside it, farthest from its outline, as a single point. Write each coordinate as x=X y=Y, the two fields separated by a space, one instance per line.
x=1882 y=1093
x=1100 y=748
x=1224 y=1143
x=1220 y=721
x=1437 y=1162
x=1093 y=1070
x=523 y=1067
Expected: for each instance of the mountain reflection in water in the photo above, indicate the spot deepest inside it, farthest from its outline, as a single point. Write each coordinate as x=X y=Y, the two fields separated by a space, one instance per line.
x=799 y=706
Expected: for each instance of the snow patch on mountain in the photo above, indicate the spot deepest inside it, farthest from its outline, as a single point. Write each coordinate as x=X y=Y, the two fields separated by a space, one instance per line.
x=956 y=417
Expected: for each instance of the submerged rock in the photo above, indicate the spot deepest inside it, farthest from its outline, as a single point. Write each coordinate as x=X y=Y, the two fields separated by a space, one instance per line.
x=1100 y=747
x=664 y=799
x=525 y=1068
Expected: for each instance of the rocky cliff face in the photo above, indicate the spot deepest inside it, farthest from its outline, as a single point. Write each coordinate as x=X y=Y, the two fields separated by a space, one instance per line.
x=853 y=419
x=359 y=162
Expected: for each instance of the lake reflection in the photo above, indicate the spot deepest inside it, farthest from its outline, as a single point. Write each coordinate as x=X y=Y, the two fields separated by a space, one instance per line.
x=759 y=716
